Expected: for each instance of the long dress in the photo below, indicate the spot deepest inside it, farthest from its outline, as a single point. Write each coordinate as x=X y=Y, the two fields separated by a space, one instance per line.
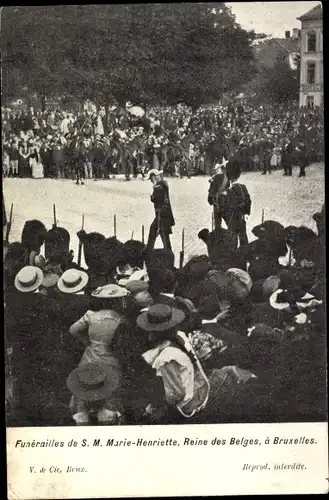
x=36 y=166
x=24 y=168
x=101 y=327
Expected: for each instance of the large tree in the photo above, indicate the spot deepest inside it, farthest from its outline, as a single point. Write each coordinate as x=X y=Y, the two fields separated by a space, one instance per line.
x=280 y=83
x=148 y=53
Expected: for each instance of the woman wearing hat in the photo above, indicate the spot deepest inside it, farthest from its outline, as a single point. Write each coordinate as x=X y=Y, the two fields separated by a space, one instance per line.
x=94 y=388
x=99 y=325
x=170 y=354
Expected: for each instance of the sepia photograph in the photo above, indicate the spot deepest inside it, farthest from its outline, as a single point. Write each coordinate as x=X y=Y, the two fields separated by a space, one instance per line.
x=163 y=214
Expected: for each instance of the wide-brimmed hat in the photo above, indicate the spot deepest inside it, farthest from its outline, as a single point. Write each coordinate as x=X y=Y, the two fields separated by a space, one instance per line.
x=72 y=281
x=271 y=285
x=241 y=276
x=139 y=275
x=94 y=381
x=50 y=280
x=28 y=279
x=160 y=317
x=110 y=291
x=153 y=171
x=278 y=303
x=137 y=286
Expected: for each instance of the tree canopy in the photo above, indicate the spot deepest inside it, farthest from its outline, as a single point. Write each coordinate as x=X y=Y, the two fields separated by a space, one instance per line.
x=149 y=53
x=280 y=83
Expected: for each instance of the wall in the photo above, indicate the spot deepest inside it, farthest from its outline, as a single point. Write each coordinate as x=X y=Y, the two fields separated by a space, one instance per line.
x=306 y=89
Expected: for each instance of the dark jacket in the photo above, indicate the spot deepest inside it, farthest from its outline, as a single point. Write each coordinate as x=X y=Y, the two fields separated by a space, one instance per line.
x=217 y=184
x=160 y=199
x=236 y=204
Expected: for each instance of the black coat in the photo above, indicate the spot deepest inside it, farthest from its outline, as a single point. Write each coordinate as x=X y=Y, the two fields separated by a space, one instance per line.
x=217 y=184
x=160 y=199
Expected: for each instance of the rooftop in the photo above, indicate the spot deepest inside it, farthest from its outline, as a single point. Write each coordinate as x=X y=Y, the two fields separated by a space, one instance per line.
x=315 y=13
x=289 y=44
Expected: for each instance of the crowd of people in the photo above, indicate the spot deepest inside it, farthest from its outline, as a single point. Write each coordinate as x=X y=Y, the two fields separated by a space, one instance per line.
x=230 y=336
x=180 y=141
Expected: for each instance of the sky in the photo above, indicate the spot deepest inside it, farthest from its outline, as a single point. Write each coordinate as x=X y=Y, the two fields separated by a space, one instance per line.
x=272 y=18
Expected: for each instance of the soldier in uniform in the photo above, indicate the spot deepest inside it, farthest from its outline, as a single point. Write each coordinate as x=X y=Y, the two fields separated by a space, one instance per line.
x=218 y=184
x=303 y=159
x=286 y=159
x=235 y=205
x=164 y=219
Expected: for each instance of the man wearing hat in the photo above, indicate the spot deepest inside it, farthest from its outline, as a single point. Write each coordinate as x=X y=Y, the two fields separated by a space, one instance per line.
x=164 y=219
x=236 y=205
x=218 y=184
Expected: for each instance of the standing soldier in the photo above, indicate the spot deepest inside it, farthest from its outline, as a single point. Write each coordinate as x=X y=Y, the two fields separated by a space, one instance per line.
x=303 y=159
x=286 y=158
x=236 y=205
x=218 y=184
x=164 y=219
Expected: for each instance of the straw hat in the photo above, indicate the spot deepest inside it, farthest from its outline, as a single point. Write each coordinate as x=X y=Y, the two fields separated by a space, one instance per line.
x=110 y=292
x=159 y=318
x=140 y=275
x=241 y=276
x=274 y=300
x=135 y=287
x=28 y=279
x=94 y=381
x=72 y=281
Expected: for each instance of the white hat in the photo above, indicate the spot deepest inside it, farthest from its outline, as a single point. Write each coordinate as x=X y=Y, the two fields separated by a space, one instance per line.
x=72 y=281
x=140 y=275
x=28 y=279
x=110 y=292
x=278 y=305
x=241 y=276
x=155 y=172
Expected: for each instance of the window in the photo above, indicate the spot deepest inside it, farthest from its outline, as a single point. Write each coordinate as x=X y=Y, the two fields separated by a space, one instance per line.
x=311 y=41
x=311 y=72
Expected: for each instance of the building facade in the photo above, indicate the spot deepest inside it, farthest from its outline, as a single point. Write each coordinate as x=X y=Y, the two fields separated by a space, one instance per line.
x=311 y=58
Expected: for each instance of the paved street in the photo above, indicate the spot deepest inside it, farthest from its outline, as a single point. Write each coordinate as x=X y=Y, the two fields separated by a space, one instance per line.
x=289 y=200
